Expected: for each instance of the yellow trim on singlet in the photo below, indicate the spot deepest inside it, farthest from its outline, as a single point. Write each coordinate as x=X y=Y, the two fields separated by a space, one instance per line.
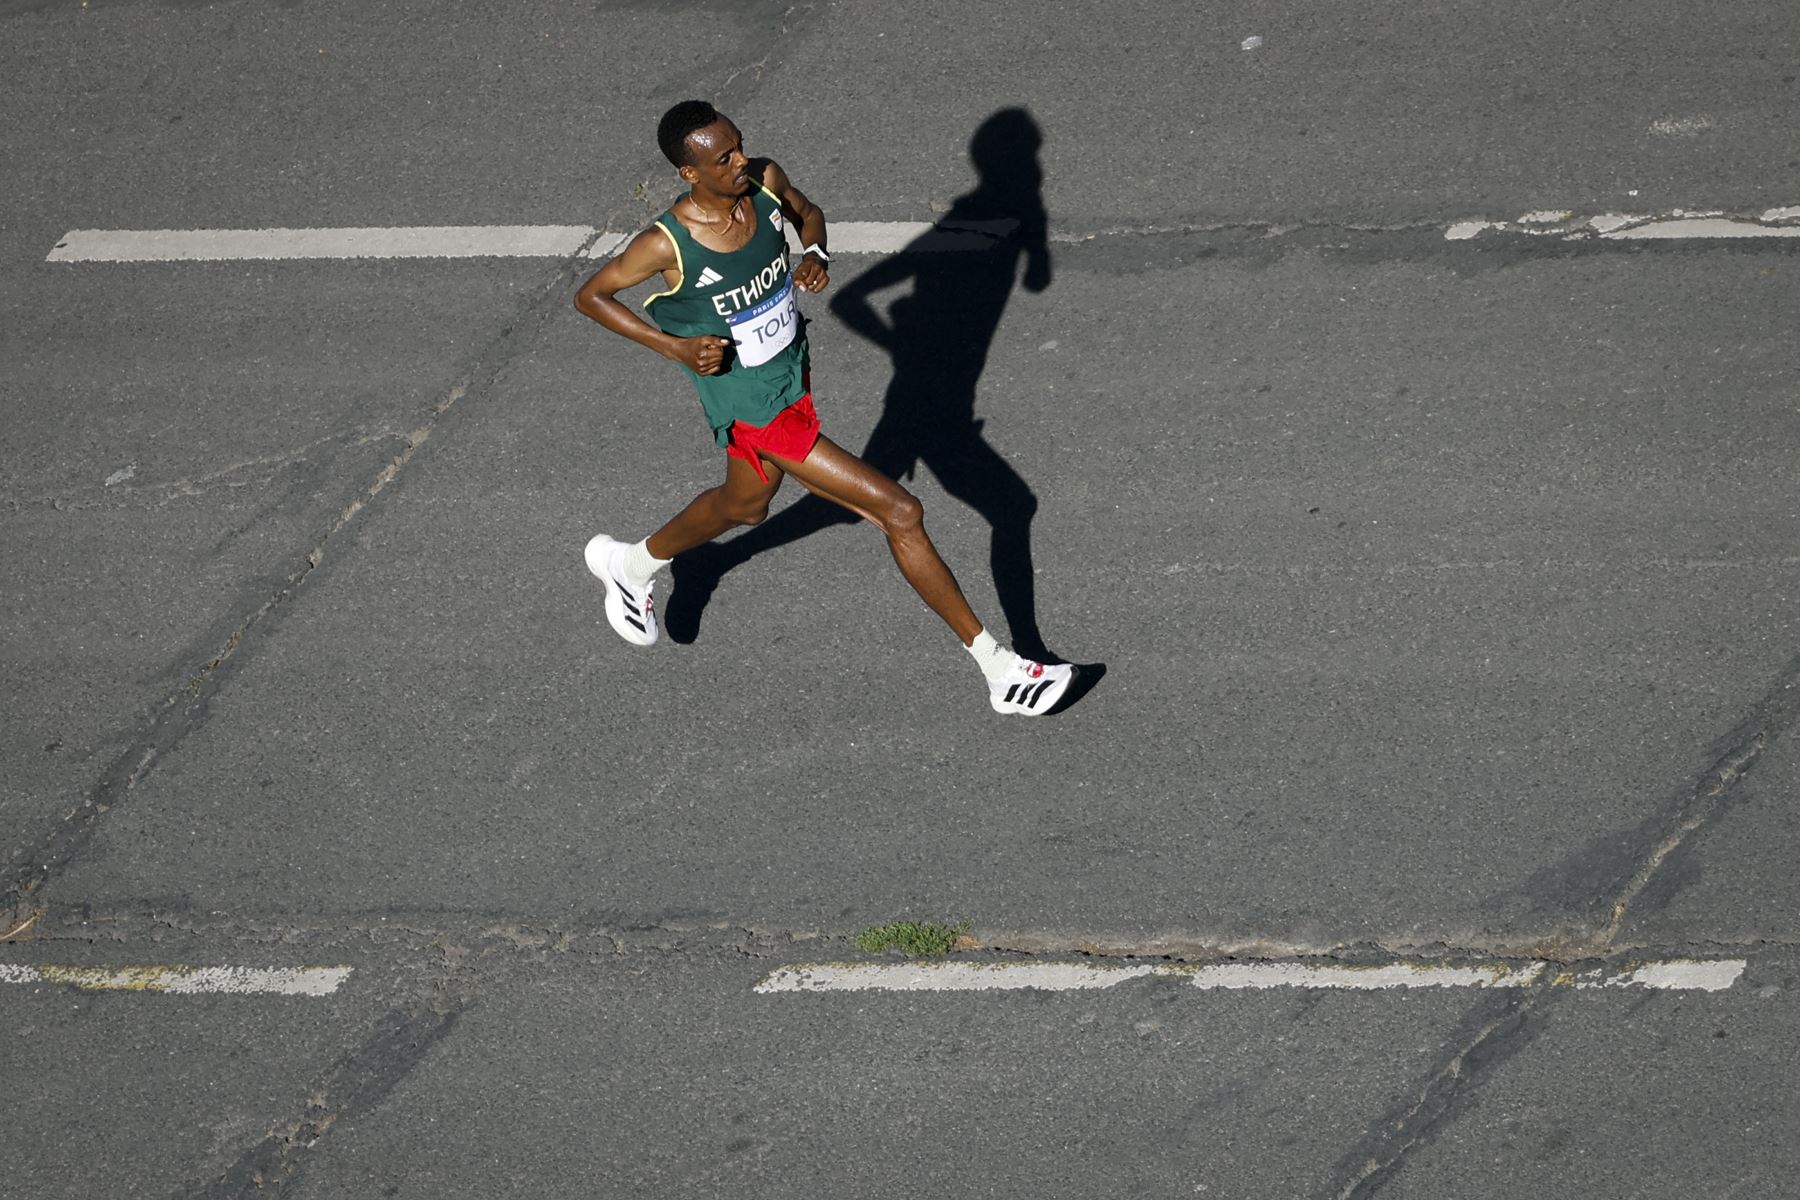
x=680 y=271
x=764 y=188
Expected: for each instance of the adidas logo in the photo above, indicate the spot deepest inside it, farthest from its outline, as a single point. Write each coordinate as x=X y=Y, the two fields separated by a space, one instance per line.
x=1027 y=694
x=708 y=277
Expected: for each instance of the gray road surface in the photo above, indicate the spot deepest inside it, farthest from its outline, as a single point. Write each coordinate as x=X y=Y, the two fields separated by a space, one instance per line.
x=1446 y=594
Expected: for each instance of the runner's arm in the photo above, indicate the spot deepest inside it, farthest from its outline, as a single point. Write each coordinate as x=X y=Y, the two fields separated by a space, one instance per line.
x=806 y=217
x=647 y=254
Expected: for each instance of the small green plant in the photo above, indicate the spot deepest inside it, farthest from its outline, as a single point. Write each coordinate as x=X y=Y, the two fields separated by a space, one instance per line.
x=919 y=939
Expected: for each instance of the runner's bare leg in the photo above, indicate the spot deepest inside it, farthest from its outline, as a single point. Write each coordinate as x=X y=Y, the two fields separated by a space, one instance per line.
x=742 y=499
x=841 y=477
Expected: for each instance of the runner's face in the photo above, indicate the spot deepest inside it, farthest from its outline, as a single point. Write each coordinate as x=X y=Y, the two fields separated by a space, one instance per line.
x=717 y=159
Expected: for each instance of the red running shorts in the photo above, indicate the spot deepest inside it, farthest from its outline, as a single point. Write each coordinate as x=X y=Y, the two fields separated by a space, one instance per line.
x=790 y=435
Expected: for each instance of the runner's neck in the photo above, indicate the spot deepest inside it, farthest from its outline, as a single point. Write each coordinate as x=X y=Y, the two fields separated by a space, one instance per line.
x=726 y=233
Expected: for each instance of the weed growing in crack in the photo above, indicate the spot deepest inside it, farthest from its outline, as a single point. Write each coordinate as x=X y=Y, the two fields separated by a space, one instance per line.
x=914 y=938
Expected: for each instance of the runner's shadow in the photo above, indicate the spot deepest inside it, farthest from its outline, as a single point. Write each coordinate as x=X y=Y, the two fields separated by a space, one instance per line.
x=938 y=334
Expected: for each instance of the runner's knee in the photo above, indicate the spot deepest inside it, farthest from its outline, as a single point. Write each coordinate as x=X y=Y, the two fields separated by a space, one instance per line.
x=903 y=514
x=739 y=510
x=748 y=513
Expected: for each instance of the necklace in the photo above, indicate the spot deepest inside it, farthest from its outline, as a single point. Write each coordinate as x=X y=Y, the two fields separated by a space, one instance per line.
x=729 y=219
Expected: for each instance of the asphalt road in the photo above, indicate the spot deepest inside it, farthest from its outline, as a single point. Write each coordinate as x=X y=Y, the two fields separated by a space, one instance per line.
x=1445 y=592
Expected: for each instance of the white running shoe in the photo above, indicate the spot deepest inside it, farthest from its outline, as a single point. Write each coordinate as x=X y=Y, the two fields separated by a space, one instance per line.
x=1028 y=688
x=630 y=608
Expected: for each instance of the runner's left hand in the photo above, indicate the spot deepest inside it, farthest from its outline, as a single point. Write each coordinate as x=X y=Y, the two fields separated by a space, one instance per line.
x=811 y=275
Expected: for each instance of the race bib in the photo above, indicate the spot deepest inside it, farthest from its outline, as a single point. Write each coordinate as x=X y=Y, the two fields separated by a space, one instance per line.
x=766 y=330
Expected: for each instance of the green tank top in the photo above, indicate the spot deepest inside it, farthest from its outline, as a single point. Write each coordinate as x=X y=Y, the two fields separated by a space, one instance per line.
x=747 y=295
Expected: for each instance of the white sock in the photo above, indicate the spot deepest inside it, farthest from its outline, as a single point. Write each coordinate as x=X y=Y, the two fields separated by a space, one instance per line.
x=993 y=658
x=640 y=564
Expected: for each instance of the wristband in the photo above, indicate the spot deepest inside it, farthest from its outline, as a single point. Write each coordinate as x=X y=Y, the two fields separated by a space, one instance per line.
x=817 y=249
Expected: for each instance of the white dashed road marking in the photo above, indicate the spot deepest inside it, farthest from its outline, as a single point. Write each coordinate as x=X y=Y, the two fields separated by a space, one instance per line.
x=1704 y=227
x=1679 y=223
x=202 y=245
x=1673 y=974
x=185 y=981
x=466 y=241
x=847 y=237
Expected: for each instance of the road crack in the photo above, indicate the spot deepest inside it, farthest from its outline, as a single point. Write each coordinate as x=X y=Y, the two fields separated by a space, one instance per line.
x=1775 y=715
x=1494 y=1032
x=355 y=1084
x=1494 y=1038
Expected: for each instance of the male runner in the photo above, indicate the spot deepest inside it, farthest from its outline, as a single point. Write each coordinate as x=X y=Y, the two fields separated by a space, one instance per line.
x=727 y=314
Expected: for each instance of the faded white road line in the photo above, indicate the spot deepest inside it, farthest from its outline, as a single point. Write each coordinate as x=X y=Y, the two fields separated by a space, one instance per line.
x=847 y=237
x=1706 y=975
x=185 y=981
x=1678 y=223
x=214 y=245
x=466 y=241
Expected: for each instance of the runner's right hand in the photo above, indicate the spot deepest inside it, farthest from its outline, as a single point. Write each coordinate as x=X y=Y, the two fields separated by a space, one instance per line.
x=705 y=355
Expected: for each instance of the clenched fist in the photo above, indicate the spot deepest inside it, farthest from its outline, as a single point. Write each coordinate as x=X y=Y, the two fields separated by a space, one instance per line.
x=705 y=355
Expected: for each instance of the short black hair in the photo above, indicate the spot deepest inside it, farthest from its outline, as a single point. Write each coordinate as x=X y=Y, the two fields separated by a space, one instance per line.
x=673 y=131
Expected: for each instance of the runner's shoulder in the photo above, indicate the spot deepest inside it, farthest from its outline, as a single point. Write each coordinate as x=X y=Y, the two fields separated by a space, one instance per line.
x=767 y=174
x=651 y=247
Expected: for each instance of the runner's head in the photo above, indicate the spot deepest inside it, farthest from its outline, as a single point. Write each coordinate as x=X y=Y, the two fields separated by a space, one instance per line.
x=705 y=147
x=676 y=124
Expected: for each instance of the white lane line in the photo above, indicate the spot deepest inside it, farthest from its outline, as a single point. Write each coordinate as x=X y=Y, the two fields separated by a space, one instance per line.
x=185 y=981
x=608 y=244
x=847 y=237
x=1704 y=227
x=1677 y=975
x=870 y=237
x=470 y=241
x=1366 y=979
x=873 y=237
x=891 y=237
x=1676 y=224
x=948 y=977
x=200 y=245
x=1670 y=975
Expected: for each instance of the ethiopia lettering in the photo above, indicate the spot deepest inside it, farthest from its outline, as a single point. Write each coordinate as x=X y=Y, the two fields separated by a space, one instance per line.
x=760 y=284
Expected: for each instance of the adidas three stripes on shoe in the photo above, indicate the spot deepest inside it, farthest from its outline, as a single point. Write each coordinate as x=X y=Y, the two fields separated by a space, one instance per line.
x=630 y=607
x=1030 y=689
